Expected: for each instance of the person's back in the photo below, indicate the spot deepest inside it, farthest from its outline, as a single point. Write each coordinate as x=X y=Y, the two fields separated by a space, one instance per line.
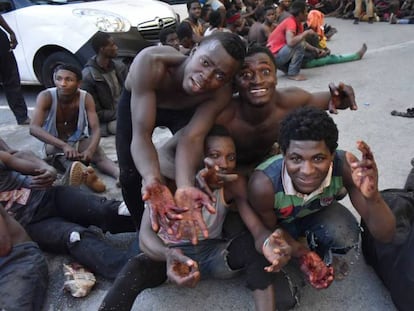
x=23 y=268
x=103 y=78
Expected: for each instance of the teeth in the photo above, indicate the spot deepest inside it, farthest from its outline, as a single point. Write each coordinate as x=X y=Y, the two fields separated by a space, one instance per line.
x=258 y=91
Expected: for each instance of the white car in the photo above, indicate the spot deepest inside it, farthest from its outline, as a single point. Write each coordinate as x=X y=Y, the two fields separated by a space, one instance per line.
x=59 y=31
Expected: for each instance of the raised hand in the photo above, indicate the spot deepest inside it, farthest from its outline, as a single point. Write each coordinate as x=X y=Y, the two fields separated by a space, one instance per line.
x=210 y=178
x=342 y=97
x=277 y=251
x=192 y=221
x=162 y=206
x=364 y=172
x=319 y=275
x=181 y=269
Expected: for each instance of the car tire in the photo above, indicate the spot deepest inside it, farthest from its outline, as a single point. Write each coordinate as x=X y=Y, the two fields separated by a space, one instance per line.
x=52 y=61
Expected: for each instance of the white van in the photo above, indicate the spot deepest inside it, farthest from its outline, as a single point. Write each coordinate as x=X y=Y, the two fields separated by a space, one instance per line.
x=59 y=31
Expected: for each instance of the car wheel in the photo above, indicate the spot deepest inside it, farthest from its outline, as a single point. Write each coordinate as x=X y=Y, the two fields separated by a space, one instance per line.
x=52 y=61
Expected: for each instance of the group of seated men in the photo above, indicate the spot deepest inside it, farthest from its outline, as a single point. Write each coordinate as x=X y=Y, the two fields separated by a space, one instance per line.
x=288 y=202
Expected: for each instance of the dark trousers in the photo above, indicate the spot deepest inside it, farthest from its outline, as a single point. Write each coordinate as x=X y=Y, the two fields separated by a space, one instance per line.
x=130 y=178
x=141 y=272
x=65 y=210
x=23 y=278
x=9 y=76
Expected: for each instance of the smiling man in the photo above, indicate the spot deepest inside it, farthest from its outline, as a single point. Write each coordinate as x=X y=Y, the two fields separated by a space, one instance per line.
x=166 y=88
x=298 y=192
x=253 y=117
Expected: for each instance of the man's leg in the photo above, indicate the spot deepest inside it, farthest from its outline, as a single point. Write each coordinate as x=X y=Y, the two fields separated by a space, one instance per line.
x=139 y=273
x=332 y=230
x=12 y=88
x=86 y=246
x=84 y=208
x=23 y=278
x=298 y=52
x=129 y=178
x=357 y=11
x=283 y=57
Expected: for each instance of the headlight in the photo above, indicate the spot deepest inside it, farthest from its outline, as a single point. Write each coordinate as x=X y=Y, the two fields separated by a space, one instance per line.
x=103 y=20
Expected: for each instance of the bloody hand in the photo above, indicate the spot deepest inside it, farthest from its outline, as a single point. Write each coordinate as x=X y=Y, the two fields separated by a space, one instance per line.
x=181 y=269
x=364 y=172
x=319 y=275
x=192 y=222
x=162 y=206
x=210 y=178
x=342 y=97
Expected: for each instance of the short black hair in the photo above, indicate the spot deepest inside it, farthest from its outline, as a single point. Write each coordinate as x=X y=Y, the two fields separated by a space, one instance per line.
x=259 y=14
x=217 y=131
x=204 y=10
x=297 y=7
x=164 y=33
x=231 y=42
x=308 y=123
x=69 y=67
x=184 y=31
x=256 y=49
x=215 y=19
x=189 y=2
x=99 y=40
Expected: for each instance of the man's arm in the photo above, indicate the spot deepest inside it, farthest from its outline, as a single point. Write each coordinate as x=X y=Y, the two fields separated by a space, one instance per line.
x=25 y=164
x=94 y=126
x=361 y=181
x=153 y=246
x=338 y=97
x=292 y=39
x=261 y=197
x=190 y=146
x=5 y=236
x=13 y=40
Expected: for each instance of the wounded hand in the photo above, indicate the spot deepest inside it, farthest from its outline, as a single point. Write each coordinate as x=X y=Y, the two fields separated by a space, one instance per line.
x=319 y=275
x=192 y=222
x=181 y=269
x=210 y=178
x=162 y=206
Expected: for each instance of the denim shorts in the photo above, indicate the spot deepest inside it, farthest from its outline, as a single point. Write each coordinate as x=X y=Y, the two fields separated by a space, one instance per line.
x=211 y=256
x=333 y=229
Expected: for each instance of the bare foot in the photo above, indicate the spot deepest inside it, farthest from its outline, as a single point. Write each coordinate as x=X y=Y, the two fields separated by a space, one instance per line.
x=362 y=50
x=298 y=77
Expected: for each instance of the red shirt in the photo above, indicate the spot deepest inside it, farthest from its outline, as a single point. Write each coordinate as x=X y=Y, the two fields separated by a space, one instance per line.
x=277 y=38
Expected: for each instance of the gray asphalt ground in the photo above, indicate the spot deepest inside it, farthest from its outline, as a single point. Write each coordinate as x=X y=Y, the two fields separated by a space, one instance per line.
x=383 y=82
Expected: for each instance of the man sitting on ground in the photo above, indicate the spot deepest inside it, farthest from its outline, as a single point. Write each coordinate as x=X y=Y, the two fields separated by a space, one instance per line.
x=23 y=268
x=298 y=191
x=59 y=218
x=104 y=78
x=65 y=120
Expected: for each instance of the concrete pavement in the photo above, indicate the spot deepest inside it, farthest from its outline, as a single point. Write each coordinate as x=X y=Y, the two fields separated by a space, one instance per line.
x=382 y=82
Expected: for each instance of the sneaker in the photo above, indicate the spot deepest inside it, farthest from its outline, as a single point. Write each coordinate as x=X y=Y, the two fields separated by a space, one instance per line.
x=77 y=174
x=93 y=181
x=393 y=19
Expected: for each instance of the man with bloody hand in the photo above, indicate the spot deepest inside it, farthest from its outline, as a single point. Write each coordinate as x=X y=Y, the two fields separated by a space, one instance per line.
x=298 y=191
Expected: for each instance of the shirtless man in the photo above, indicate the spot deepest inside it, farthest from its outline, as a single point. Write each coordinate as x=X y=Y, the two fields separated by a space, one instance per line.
x=23 y=268
x=63 y=117
x=167 y=88
x=253 y=117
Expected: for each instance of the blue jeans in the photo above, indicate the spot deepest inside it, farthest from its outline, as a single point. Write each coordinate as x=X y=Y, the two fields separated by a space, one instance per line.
x=289 y=59
x=333 y=229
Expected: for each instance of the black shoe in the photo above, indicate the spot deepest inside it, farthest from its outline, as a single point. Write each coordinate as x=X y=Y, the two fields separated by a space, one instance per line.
x=370 y=20
x=25 y=122
x=356 y=21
